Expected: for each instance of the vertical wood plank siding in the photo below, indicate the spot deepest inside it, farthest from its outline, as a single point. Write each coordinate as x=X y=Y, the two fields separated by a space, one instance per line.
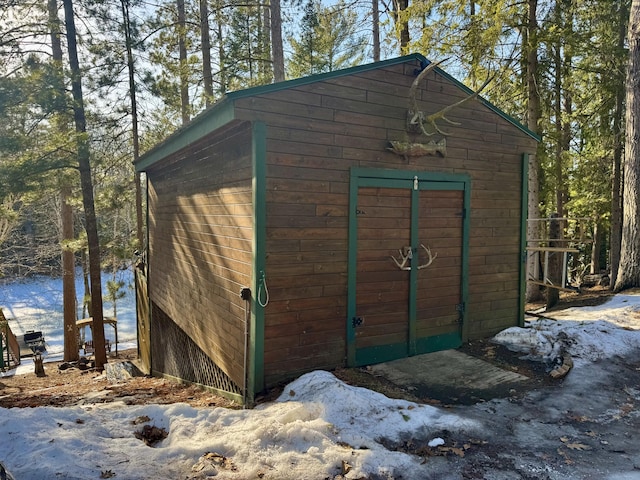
x=315 y=134
x=200 y=226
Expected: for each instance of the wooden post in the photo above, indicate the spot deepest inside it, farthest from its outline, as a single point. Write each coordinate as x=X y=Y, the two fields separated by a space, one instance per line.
x=555 y=261
x=2 y=337
x=39 y=366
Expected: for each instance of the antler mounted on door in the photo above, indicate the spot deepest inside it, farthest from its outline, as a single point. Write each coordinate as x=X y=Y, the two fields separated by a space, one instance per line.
x=431 y=257
x=407 y=255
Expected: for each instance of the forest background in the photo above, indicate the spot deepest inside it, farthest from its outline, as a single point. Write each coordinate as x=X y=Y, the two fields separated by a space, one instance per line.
x=134 y=71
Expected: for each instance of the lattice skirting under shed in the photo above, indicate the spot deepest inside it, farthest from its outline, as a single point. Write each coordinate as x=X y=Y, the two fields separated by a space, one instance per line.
x=174 y=354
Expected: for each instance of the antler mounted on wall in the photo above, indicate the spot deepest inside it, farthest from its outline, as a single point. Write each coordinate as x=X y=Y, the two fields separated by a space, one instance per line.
x=418 y=118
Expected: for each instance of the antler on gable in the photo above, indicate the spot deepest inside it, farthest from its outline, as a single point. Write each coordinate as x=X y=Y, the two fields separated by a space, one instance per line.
x=417 y=117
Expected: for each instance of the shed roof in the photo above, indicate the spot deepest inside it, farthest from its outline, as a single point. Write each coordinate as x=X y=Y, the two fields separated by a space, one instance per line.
x=223 y=111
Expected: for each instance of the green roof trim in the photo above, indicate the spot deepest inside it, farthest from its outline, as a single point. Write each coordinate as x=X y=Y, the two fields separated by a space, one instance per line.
x=223 y=111
x=208 y=121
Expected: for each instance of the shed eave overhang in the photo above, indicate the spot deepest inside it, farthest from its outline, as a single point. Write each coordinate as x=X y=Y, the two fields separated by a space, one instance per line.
x=220 y=114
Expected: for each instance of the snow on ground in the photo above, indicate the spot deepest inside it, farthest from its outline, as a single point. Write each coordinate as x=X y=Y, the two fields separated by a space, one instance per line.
x=318 y=428
x=588 y=334
x=36 y=304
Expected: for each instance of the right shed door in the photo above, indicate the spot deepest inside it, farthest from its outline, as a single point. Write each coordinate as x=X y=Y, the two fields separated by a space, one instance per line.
x=439 y=304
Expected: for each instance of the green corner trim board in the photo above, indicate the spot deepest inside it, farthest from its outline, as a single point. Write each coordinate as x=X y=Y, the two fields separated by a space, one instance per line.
x=524 y=215
x=255 y=381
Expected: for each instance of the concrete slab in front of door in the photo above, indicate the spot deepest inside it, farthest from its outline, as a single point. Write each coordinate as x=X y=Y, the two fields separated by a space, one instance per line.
x=450 y=376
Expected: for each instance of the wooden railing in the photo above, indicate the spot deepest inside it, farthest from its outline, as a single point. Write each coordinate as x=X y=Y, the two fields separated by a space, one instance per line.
x=9 y=341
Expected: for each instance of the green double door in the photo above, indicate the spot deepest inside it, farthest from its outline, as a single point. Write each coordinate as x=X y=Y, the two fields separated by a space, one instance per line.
x=408 y=244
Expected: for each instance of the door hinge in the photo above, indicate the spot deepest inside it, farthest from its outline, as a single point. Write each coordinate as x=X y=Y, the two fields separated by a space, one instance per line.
x=357 y=321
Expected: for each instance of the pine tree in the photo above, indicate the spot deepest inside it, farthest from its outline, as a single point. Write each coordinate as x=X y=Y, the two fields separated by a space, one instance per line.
x=277 y=48
x=86 y=181
x=247 y=59
x=173 y=52
x=329 y=40
x=629 y=272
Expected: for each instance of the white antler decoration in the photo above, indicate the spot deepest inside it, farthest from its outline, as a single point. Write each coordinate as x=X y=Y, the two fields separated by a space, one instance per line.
x=406 y=257
x=419 y=118
x=431 y=257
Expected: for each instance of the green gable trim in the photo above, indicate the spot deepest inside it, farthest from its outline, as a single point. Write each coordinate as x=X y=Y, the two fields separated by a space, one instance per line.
x=320 y=77
x=223 y=111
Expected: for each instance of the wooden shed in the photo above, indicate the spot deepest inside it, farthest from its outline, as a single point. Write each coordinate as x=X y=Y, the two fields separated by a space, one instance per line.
x=332 y=221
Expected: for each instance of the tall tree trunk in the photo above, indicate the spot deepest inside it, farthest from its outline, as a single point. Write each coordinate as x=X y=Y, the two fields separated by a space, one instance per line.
x=182 y=52
x=530 y=44
x=563 y=100
x=70 y=334
x=277 y=49
x=221 y=53
x=375 y=20
x=134 y=119
x=71 y=347
x=595 y=248
x=399 y=6
x=86 y=285
x=86 y=183
x=565 y=134
x=616 y=180
x=205 y=38
x=265 y=68
x=629 y=271
x=558 y=114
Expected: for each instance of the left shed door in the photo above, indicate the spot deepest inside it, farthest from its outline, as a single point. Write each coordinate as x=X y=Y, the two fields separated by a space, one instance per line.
x=382 y=290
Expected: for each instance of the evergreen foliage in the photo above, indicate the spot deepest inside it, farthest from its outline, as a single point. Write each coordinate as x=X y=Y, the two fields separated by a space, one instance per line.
x=579 y=85
x=328 y=40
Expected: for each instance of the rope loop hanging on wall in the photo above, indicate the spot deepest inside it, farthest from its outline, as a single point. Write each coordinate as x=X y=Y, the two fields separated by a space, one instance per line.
x=263 y=291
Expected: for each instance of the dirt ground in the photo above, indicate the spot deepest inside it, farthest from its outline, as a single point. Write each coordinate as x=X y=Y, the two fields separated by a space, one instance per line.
x=73 y=386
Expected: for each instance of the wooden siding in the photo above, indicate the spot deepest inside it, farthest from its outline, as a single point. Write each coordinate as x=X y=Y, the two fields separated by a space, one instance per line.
x=200 y=242
x=315 y=134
